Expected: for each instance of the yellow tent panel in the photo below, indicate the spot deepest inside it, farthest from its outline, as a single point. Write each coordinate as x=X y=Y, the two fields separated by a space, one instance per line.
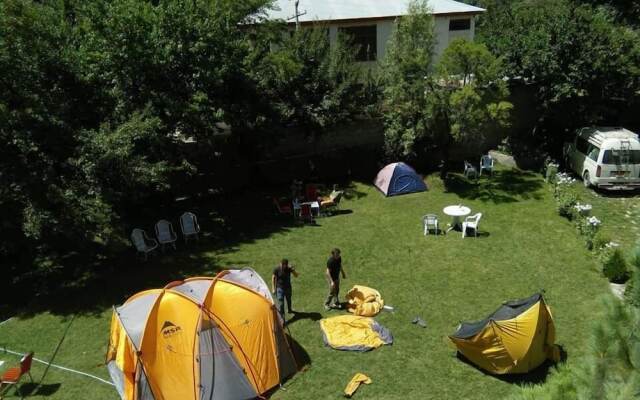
x=516 y=338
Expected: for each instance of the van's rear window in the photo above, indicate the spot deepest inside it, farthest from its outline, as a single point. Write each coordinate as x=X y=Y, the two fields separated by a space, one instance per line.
x=615 y=157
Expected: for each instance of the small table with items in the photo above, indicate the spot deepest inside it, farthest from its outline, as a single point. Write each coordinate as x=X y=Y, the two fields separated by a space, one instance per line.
x=315 y=208
x=456 y=212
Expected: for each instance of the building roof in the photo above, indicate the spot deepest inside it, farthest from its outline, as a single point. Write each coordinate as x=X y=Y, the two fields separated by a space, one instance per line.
x=334 y=10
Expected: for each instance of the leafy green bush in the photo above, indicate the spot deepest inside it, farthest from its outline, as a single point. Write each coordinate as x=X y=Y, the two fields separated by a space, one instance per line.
x=600 y=241
x=632 y=292
x=565 y=200
x=614 y=265
x=587 y=227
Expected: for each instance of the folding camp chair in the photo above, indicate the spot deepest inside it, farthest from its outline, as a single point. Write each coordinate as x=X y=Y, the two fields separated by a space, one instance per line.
x=143 y=243
x=189 y=226
x=282 y=208
x=311 y=192
x=332 y=202
x=12 y=376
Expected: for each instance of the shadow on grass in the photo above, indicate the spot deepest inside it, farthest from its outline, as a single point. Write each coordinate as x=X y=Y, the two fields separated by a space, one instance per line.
x=34 y=389
x=303 y=361
x=313 y=316
x=534 y=377
x=91 y=282
x=505 y=186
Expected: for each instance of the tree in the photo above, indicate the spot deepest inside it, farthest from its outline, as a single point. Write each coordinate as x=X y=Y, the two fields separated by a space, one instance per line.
x=453 y=102
x=407 y=64
x=475 y=93
x=576 y=59
x=92 y=94
x=304 y=81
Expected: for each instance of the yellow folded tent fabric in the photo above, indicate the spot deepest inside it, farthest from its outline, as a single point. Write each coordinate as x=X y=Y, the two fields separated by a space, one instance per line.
x=364 y=301
x=202 y=338
x=353 y=385
x=349 y=332
x=516 y=338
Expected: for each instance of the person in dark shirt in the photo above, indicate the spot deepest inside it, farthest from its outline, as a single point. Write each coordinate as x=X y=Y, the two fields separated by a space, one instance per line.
x=281 y=285
x=334 y=270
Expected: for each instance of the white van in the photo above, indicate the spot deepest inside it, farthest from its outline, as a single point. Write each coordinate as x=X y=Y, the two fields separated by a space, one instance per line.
x=604 y=157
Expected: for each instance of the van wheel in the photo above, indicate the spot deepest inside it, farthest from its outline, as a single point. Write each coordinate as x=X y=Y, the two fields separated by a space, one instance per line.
x=585 y=179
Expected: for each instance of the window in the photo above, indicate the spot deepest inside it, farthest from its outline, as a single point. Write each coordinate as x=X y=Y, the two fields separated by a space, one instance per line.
x=582 y=146
x=459 y=24
x=593 y=152
x=365 y=39
x=621 y=157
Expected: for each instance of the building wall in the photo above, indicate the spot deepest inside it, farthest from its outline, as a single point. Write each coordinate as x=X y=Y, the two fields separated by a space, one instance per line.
x=385 y=29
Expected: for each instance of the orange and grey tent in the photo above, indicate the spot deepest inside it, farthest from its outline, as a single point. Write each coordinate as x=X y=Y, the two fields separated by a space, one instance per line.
x=202 y=338
x=516 y=338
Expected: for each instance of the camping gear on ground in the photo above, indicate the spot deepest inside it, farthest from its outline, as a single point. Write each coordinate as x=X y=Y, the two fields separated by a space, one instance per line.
x=353 y=333
x=389 y=308
x=143 y=243
x=419 y=321
x=430 y=222
x=201 y=338
x=399 y=178
x=471 y=222
x=516 y=338
x=189 y=226
x=355 y=382
x=486 y=164
x=12 y=376
x=470 y=170
x=364 y=301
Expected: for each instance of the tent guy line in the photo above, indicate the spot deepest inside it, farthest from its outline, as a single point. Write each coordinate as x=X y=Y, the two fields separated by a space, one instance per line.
x=5 y=321
x=60 y=367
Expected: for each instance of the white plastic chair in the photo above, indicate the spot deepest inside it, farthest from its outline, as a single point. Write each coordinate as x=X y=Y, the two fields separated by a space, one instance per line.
x=165 y=234
x=472 y=222
x=486 y=163
x=143 y=243
x=470 y=170
x=189 y=226
x=430 y=221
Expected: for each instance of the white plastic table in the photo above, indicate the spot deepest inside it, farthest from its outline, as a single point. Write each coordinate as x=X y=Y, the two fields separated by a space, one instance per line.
x=456 y=213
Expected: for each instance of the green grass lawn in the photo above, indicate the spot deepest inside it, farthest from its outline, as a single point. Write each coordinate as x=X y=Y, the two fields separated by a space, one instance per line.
x=523 y=247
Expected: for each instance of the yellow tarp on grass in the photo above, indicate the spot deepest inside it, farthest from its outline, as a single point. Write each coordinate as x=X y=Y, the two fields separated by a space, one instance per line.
x=350 y=332
x=364 y=301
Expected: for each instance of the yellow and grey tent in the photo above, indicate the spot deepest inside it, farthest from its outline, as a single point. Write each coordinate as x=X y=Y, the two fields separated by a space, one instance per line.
x=516 y=338
x=349 y=332
x=201 y=338
x=364 y=301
